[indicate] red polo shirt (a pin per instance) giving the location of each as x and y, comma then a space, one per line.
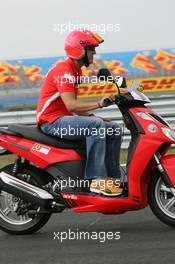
62, 77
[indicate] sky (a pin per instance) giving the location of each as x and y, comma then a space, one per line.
37, 28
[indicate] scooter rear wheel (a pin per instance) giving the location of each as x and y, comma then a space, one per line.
21, 223
161, 200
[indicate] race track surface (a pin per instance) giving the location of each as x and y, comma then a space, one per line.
142, 239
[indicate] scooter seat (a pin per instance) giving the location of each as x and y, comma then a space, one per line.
34, 133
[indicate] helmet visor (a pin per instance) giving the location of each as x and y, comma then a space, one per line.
98, 38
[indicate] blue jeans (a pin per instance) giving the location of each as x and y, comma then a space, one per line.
103, 142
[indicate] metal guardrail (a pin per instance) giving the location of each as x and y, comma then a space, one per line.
164, 105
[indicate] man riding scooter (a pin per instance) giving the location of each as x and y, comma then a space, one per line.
58, 109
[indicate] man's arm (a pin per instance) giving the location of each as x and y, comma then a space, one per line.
84, 113
75, 105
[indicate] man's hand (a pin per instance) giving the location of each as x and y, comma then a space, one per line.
107, 100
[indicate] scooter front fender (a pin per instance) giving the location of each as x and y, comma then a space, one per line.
168, 163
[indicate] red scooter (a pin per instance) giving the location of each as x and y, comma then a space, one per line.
31, 188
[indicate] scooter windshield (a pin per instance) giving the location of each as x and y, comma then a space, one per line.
137, 95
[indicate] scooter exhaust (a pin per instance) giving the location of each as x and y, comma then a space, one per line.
24, 190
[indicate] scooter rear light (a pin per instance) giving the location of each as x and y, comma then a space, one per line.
169, 133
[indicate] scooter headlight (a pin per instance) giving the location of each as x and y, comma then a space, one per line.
169, 133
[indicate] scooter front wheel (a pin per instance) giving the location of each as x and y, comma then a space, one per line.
161, 200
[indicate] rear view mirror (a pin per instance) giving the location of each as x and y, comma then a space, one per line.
120, 81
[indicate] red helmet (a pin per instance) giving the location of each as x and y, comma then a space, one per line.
78, 40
